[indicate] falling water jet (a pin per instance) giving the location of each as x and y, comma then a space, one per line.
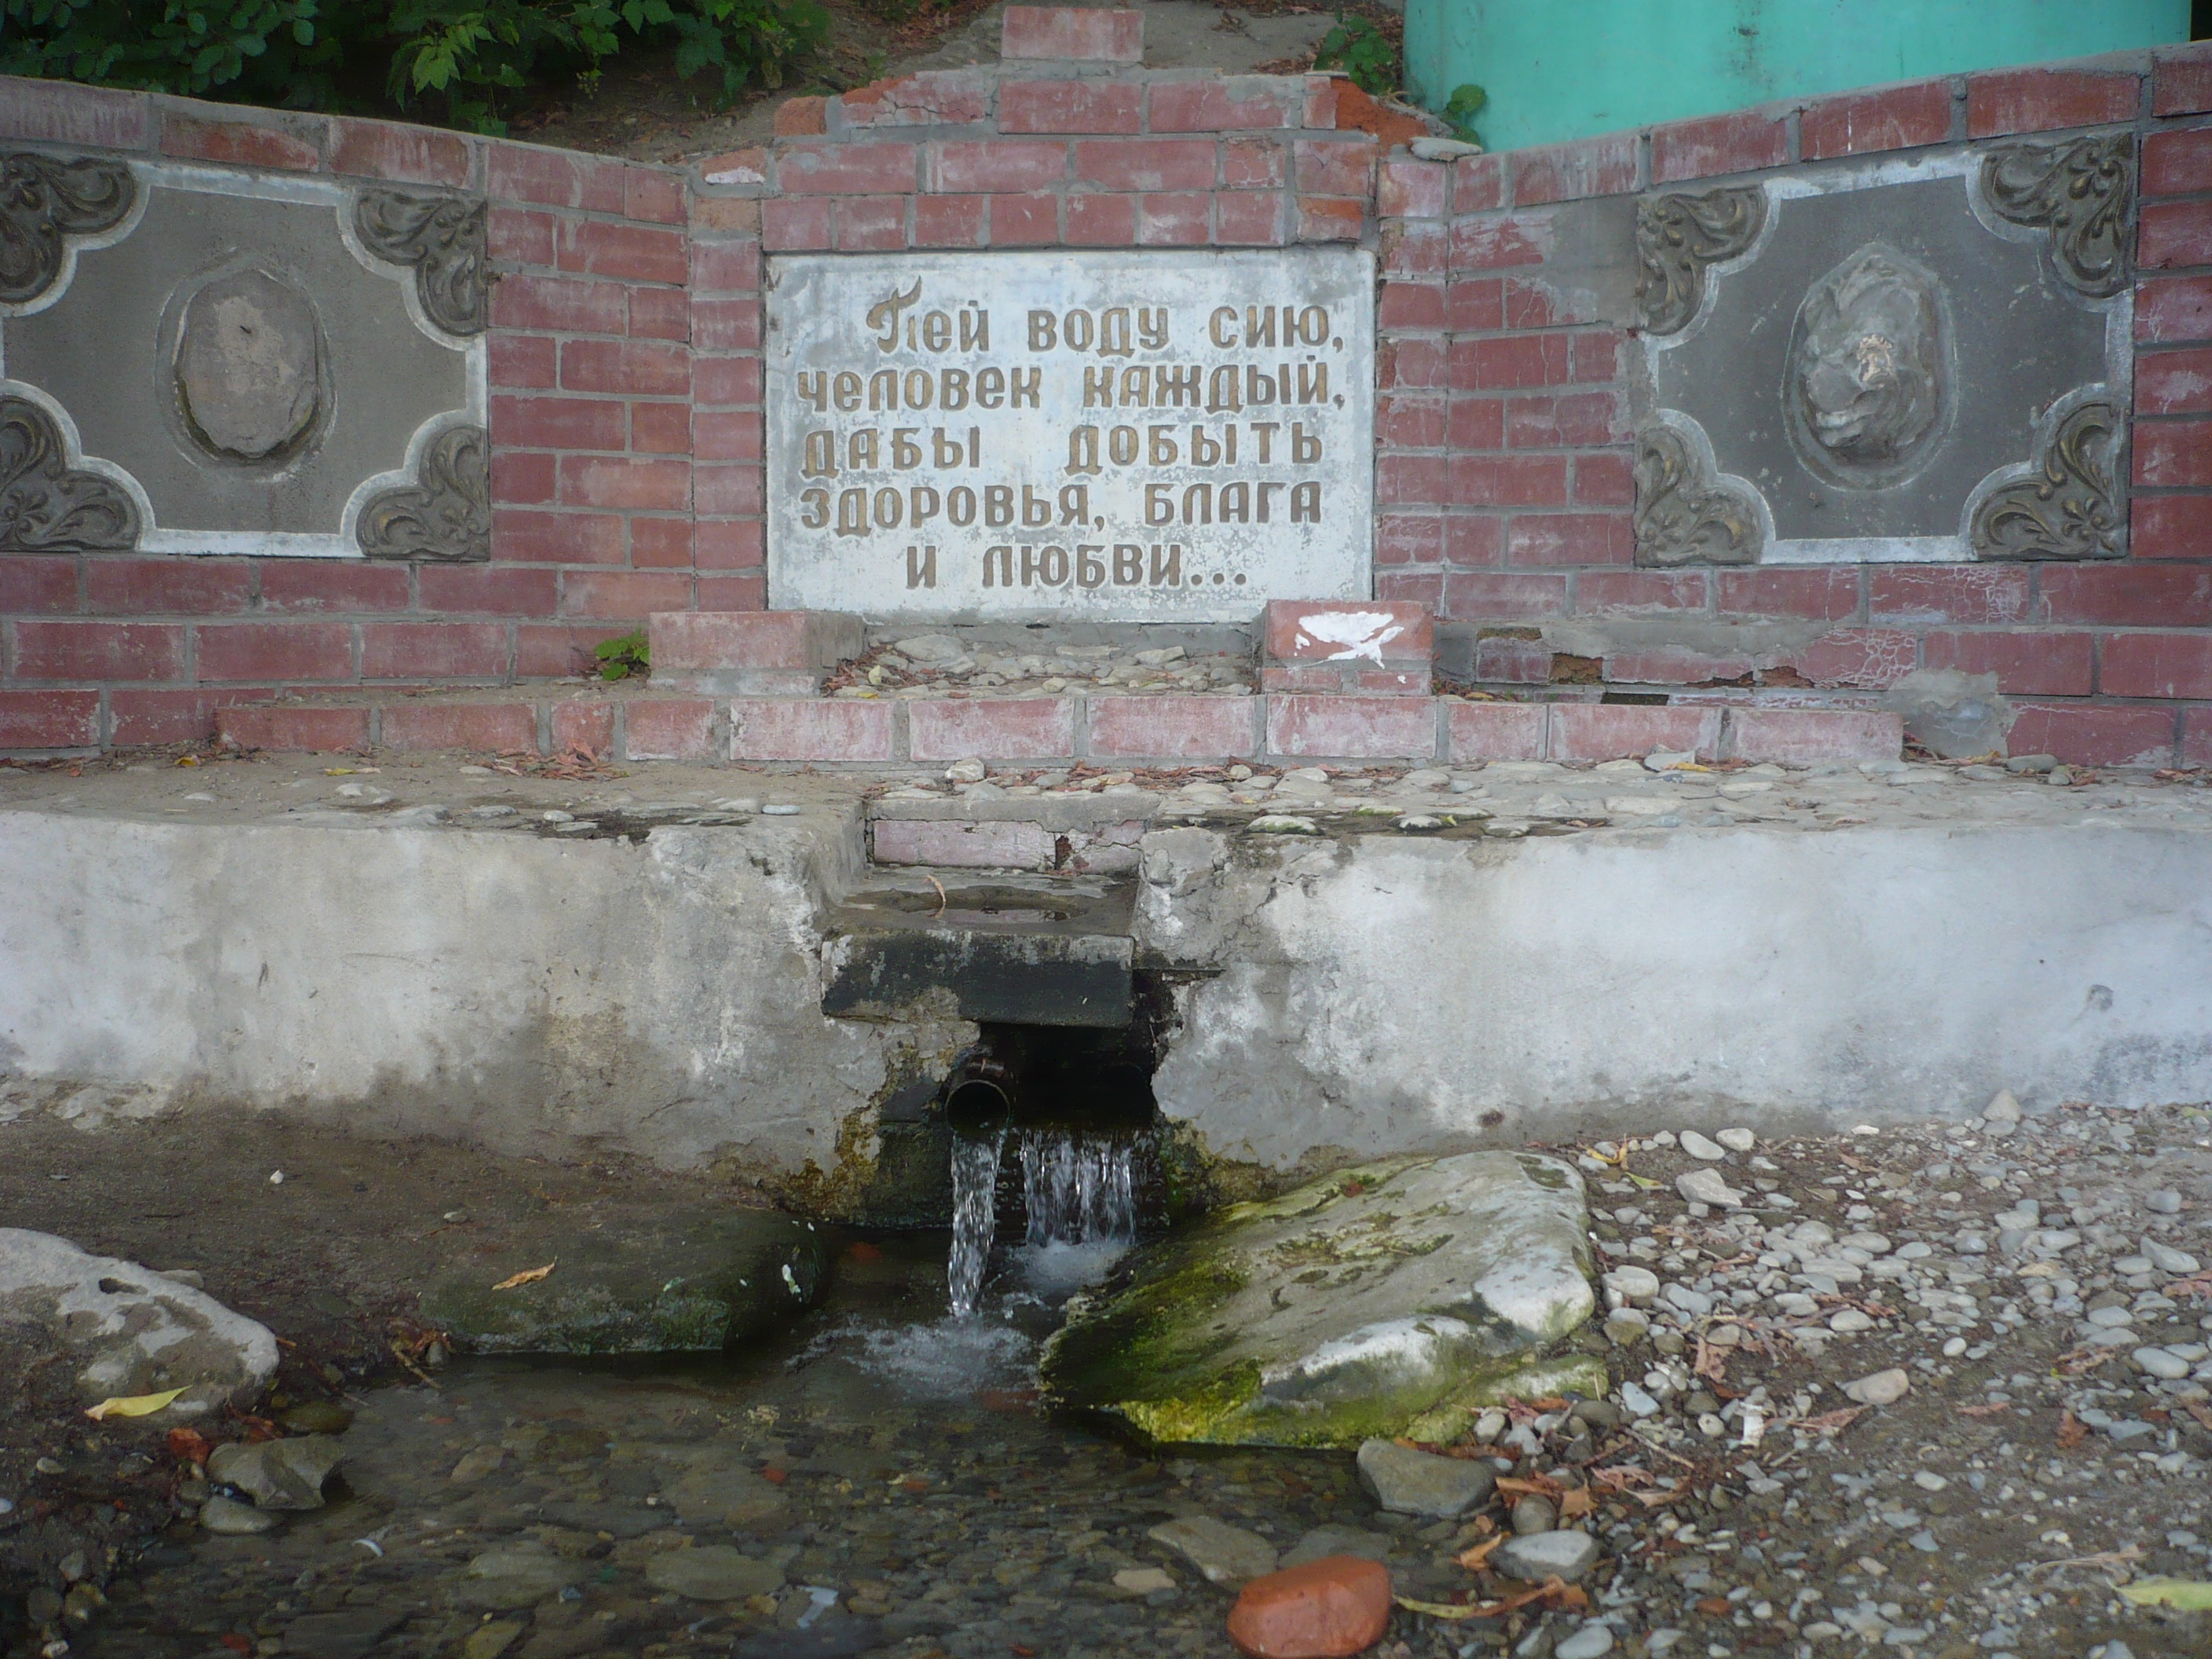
974, 1214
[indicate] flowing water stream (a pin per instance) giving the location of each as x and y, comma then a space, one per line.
1078, 1199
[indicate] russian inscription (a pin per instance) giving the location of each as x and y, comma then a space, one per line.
1170, 436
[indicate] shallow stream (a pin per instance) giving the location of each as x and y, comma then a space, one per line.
877, 1480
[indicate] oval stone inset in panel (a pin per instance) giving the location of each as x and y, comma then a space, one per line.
1867, 394
249, 367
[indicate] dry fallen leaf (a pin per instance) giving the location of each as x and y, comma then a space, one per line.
1474, 1557
527, 1276
2072, 1431
130, 1404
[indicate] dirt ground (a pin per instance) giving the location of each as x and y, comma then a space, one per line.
2032, 1472
643, 110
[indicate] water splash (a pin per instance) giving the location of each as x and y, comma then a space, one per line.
1078, 1187
1079, 1192
974, 1214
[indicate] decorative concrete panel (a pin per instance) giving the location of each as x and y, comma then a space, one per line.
1144, 437
1925, 360
198, 360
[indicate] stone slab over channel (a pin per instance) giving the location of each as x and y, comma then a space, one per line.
1816, 947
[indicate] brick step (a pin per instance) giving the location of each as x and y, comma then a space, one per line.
648, 724
1093, 834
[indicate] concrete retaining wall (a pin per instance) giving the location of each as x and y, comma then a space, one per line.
1380, 994
662, 998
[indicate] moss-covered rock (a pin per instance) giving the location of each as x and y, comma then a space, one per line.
1383, 1298
676, 1280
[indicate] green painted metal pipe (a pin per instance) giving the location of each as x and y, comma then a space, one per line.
1556, 70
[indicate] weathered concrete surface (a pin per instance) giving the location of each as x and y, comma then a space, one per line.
1761, 946
1380, 994
662, 996
677, 1279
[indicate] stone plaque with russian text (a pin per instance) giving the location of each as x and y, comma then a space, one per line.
1133, 437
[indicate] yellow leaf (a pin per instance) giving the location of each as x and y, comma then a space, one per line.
527, 1276
1444, 1609
2190, 1593
130, 1404
337, 771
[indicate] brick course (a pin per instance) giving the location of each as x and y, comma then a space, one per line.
628, 388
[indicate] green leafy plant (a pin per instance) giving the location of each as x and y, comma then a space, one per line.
1461, 108
190, 47
621, 658
1363, 51
465, 61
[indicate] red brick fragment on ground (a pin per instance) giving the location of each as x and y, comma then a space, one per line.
1331, 1608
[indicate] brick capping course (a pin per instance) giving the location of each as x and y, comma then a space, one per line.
627, 384
1293, 730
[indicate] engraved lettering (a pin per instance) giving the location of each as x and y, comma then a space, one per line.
1152, 327
1082, 450
922, 572
1305, 503
818, 458
853, 512
1027, 383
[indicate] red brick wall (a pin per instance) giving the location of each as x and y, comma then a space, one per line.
627, 378
591, 378
1505, 480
